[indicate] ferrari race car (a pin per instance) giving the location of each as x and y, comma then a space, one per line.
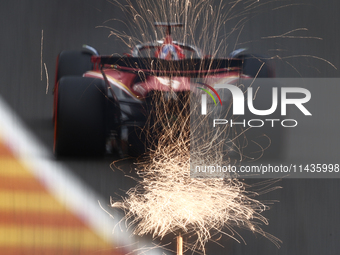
100, 102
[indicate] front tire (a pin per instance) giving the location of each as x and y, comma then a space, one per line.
80, 119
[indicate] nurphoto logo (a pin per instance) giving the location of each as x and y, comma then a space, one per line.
238, 100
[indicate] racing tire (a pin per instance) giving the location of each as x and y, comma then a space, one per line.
81, 118
73, 62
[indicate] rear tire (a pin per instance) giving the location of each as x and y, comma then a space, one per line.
80, 119
73, 62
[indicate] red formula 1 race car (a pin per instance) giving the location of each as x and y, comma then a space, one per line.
100, 100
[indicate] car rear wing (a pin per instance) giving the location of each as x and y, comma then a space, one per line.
162, 67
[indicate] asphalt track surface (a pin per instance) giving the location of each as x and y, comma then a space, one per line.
307, 217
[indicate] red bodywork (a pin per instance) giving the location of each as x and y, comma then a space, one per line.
127, 78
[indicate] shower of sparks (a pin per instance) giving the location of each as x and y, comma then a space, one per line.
204, 21
175, 202
166, 199
213, 26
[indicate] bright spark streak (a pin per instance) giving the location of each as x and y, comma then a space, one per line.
41, 53
47, 82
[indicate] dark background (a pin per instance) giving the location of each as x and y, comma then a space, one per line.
306, 218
